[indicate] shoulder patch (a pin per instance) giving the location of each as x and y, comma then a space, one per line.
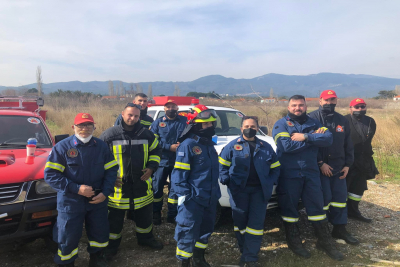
289, 123
196, 150
238, 147
340, 129
162, 124
72, 153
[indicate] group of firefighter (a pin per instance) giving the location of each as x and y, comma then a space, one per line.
322, 158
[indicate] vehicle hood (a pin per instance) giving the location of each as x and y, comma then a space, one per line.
15, 169
224, 140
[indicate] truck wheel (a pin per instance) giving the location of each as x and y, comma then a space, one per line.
50, 244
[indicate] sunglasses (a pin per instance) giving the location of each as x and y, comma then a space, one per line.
358, 107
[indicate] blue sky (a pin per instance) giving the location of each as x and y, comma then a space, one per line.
137, 41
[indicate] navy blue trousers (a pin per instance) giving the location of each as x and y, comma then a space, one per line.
335, 198
309, 189
68, 231
195, 224
248, 212
160, 178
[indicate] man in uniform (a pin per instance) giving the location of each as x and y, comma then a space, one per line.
195, 181
334, 162
83, 171
298, 138
137, 152
168, 129
141, 100
362, 129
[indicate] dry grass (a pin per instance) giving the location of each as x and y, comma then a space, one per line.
61, 113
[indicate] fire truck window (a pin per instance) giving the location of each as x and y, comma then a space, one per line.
19, 129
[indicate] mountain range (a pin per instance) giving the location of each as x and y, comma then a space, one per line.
345, 85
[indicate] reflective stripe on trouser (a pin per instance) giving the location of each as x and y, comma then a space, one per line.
248, 212
335, 196
195, 224
143, 220
68, 230
160, 179
290, 190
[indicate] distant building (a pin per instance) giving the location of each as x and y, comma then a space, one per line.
396, 98
283, 101
268, 100
312, 99
113, 97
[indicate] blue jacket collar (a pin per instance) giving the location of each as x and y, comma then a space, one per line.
242, 140
76, 142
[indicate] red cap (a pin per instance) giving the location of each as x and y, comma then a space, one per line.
328, 94
170, 101
83, 117
357, 101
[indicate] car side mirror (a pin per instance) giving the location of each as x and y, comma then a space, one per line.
264, 129
40, 102
60, 137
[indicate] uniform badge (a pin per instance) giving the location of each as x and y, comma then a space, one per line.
162, 124
238, 147
330, 93
289, 123
339, 128
358, 100
72, 153
196, 150
85, 116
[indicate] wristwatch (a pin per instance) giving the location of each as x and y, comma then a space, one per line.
305, 136
320, 164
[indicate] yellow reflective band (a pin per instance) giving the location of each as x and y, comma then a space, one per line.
274, 165
224, 162
117, 151
289, 219
254, 231
115, 236
150, 187
154, 144
172, 201
281, 134
146, 154
183, 253
142, 199
354, 197
118, 206
110, 164
69, 256
55, 166
236, 229
159, 199
154, 158
145, 122
324, 128
205, 120
98, 245
142, 204
144, 231
119, 200
157, 135
338, 205
181, 165
317, 217
201, 245
197, 110
327, 206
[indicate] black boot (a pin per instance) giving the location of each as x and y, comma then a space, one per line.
157, 217
171, 220
293, 240
98, 259
72, 264
340, 232
354, 213
151, 242
198, 259
184, 263
325, 241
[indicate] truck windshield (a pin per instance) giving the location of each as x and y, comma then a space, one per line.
16, 130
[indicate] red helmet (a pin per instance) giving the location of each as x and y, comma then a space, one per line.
201, 113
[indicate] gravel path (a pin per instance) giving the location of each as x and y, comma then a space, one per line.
379, 241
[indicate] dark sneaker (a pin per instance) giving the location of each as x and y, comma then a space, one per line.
340, 232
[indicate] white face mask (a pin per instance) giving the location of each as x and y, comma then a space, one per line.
84, 139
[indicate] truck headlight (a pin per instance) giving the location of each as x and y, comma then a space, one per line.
43, 188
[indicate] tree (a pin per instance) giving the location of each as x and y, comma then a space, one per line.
110, 88
271, 93
177, 91
9, 92
139, 88
39, 80
132, 91
121, 89
32, 91
385, 94
150, 92
397, 89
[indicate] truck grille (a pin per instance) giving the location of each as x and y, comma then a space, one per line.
9, 192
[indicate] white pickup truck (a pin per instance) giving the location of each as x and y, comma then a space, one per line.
228, 128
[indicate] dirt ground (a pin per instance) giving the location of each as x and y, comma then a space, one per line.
380, 241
